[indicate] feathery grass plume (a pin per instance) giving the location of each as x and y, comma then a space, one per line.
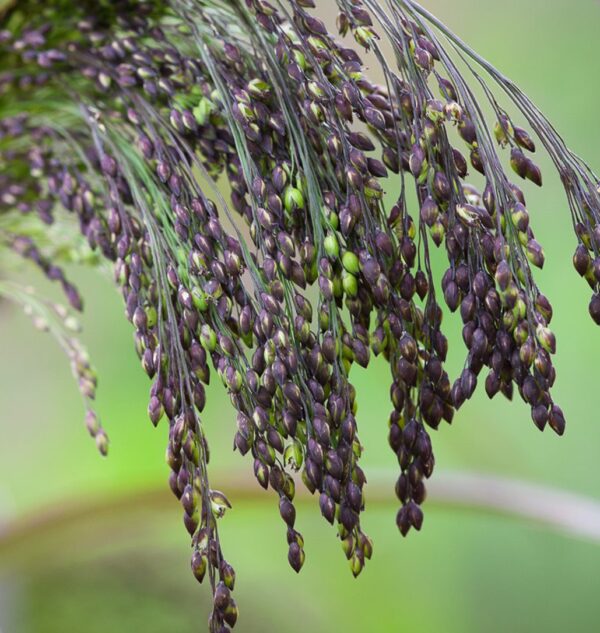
122, 116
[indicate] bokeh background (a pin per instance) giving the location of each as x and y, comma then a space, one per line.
93, 545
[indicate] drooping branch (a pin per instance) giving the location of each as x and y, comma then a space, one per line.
126, 118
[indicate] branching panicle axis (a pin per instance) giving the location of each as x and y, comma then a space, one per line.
127, 121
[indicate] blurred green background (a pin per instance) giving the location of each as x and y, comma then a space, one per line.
96, 545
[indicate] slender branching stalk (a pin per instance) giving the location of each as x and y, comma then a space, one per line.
126, 119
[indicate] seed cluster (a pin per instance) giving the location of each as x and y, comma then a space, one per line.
131, 115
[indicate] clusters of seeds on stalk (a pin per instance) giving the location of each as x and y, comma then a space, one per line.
306, 268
